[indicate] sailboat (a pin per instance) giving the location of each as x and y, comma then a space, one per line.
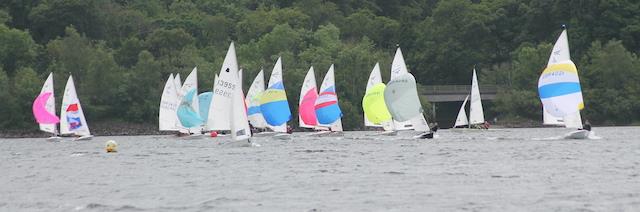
402, 100
229, 110
187, 114
273, 102
44, 110
167, 115
191, 84
252, 100
72, 120
327, 109
398, 68
560, 91
476, 113
375, 109
461, 119
306, 104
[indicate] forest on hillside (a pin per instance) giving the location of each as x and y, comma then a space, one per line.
121, 52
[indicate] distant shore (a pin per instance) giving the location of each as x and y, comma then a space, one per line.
97, 129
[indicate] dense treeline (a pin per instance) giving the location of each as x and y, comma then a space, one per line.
121, 51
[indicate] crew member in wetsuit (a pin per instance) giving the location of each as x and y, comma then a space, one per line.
430, 134
435, 127
289, 129
586, 126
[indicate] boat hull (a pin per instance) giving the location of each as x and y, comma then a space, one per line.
578, 134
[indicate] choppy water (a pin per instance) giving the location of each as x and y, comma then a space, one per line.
496, 170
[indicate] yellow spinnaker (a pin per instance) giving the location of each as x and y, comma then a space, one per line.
374, 106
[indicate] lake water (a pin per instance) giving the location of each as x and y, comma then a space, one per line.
462, 170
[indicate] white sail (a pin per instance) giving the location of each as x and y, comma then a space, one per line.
476, 113
168, 106
403, 102
223, 91
72, 120
253, 101
191, 82
462, 120
50, 105
178, 86
276, 76
398, 68
239, 123
559, 87
374, 78
308, 85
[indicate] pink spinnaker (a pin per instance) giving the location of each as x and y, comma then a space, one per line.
40, 110
307, 107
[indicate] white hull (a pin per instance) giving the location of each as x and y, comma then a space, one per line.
385, 133
265, 134
578, 134
193, 137
84, 138
54, 139
327, 134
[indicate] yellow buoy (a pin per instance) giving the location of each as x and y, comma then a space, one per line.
111, 146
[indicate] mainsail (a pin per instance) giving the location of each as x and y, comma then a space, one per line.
253, 101
374, 78
167, 115
476, 113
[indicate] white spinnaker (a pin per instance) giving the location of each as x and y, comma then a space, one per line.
561, 55
476, 113
276, 76
399, 67
308, 83
70, 98
462, 120
374, 78
253, 100
50, 105
223, 91
167, 114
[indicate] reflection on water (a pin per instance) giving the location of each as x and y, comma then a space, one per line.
478, 170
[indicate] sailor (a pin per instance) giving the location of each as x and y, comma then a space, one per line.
586, 126
435, 127
429, 135
289, 129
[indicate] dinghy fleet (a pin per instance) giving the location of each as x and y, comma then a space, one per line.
264, 111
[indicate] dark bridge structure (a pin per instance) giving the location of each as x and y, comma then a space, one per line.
455, 93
